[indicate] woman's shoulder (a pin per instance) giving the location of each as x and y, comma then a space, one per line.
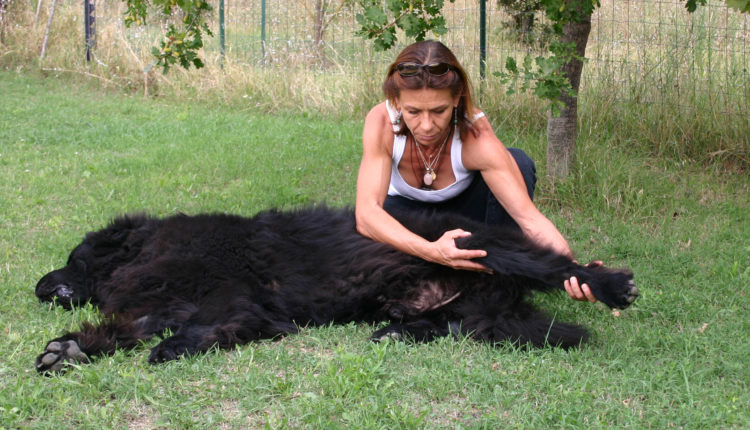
478, 128
483, 147
379, 119
379, 113
378, 130
476, 115
482, 130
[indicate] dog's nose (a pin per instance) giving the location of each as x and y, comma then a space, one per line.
49, 291
64, 291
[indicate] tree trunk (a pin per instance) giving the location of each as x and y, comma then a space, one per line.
3, 5
319, 29
46, 32
524, 22
562, 130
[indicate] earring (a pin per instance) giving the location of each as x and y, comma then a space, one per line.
455, 116
398, 119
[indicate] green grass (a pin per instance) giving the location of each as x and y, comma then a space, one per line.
72, 158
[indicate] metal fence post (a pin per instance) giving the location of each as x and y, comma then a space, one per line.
222, 36
263, 30
89, 23
482, 38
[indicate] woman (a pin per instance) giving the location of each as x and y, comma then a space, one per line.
428, 148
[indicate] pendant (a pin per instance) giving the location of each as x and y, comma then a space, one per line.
429, 177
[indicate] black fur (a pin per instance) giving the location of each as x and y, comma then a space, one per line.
223, 280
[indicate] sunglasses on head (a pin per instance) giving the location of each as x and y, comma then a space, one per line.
411, 69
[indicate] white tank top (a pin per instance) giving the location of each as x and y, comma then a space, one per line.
399, 187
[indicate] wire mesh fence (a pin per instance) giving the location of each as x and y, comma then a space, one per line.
645, 51
655, 52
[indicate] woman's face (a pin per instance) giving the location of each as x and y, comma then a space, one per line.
428, 113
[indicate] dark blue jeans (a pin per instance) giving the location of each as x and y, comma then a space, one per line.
476, 202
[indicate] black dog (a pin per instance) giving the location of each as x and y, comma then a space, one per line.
222, 280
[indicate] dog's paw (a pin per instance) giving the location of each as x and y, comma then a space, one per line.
170, 349
621, 296
415, 331
58, 355
163, 353
631, 293
615, 288
392, 332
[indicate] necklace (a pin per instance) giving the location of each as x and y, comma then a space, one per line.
430, 174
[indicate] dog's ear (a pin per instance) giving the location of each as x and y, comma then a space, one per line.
117, 232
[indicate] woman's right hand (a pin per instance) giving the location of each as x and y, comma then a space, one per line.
448, 254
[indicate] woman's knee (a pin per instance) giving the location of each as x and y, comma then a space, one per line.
527, 167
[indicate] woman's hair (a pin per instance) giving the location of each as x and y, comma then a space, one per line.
430, 52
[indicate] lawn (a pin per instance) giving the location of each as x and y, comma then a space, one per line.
72, 157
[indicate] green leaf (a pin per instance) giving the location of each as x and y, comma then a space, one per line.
691, 5
414, 17
395, 6
376, 15
510, 65
741, 5
547, 66
438, 25
389, 37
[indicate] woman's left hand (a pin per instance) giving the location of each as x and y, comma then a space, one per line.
581, 292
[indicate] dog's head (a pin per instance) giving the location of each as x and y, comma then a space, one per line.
68, 285
93, 261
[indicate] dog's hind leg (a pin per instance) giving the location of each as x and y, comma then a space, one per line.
192, 339
225, 318
535, 329
91, 341
520, 323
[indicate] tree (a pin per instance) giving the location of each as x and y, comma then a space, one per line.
523, 13
182, 42
322, 13
3, 4
562, 126
415, 17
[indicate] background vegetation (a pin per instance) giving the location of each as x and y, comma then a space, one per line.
72, 157
661, 186
657, 78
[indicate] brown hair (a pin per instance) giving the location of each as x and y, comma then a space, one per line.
428, 52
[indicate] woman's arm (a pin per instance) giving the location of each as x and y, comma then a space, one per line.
499, 170
489, 156
372, 187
